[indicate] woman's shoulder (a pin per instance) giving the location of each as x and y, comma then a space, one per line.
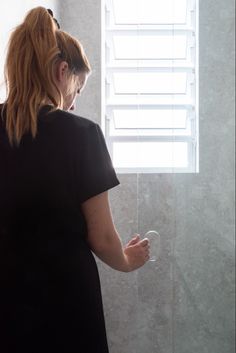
77, 121
65, 119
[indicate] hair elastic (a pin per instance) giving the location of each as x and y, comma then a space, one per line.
51, 13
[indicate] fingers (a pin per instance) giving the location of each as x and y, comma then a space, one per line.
144, 242
142, 247
134, 240
137, 252
145, 246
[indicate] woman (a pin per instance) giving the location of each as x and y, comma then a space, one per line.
54, 180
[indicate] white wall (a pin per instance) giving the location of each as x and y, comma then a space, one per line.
12, 13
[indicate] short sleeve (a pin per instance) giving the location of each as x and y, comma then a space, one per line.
97, 173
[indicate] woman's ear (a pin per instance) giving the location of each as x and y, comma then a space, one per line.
62, 70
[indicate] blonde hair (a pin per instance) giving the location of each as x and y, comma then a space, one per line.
35, 46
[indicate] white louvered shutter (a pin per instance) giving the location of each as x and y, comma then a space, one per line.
151, 85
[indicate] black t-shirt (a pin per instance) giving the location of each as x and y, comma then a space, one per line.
49, 284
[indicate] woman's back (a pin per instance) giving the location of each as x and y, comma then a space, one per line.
55, 171
49, 278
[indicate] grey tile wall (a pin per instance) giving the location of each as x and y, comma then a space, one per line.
184, 302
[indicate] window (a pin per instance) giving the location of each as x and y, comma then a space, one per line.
151, 85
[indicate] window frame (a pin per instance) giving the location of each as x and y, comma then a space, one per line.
191, 108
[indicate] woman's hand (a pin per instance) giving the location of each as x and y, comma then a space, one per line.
136, 252
104, 240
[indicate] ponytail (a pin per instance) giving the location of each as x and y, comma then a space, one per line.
34, 48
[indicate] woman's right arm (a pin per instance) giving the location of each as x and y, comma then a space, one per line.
105, 241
